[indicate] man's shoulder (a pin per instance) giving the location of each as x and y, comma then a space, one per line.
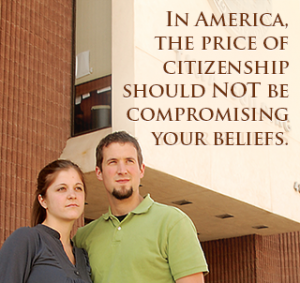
86, 230
168, 211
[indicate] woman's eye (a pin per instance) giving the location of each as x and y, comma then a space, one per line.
79, 188
61, 189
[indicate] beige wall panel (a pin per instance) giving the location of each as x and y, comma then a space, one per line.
93, 33
247, 173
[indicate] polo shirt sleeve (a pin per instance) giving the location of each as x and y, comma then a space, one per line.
17, 255
185, 253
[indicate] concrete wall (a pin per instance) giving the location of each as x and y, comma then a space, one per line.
263, 176
93, 34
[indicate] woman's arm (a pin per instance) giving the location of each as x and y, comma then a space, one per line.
17, 255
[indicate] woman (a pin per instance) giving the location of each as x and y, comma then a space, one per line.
45, 253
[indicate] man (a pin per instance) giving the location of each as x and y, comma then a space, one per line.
138, 240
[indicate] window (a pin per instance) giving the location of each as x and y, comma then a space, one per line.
92, 106
92, 66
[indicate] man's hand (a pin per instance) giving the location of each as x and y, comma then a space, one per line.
194, 278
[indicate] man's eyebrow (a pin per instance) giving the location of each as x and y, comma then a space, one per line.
131, 158
110, 159
115, 158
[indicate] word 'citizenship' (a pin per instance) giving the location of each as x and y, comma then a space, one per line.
225, 67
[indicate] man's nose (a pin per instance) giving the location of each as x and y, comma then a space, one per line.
122, 168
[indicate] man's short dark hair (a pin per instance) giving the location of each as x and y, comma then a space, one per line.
117, 137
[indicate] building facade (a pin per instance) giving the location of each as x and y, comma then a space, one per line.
58, 55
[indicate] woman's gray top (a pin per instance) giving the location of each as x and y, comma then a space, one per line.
36, 255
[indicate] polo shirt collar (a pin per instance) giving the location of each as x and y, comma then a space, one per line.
143, 207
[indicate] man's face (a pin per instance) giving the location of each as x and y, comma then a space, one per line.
121, 173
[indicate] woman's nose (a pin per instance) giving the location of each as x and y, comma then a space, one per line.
71, 194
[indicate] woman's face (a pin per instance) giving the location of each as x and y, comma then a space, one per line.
65, 197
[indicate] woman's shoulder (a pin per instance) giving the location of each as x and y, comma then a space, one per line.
24, 236
23, 233
23, 241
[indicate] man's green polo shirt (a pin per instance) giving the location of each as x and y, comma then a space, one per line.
154, 243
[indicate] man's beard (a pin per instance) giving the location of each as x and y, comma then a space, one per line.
122, 194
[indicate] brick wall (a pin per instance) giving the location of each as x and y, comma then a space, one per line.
290, 257
231, 260
35, 99
268, 259
254, 259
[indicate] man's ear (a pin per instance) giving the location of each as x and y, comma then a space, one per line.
98, 173
143, 168
42, 201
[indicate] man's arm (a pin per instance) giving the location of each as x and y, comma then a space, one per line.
194, 278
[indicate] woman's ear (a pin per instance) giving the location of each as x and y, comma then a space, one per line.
42, 201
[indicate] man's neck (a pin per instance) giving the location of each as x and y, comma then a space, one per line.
124, 206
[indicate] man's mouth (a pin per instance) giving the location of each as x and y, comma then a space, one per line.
122, 181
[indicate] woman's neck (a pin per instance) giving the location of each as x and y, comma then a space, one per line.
64, 230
